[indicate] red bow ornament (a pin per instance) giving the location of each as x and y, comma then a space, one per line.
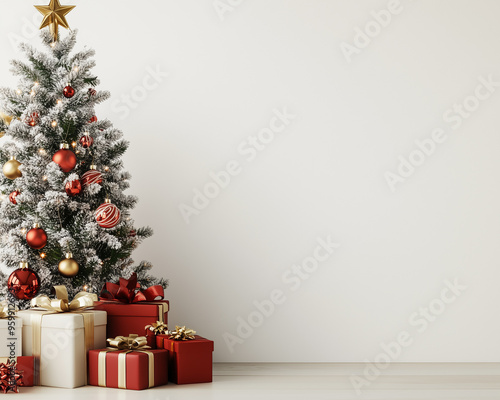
128, 291
10, 377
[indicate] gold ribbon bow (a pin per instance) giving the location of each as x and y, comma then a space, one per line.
182, 333
159, 328
4, 309
131, 342
61, 303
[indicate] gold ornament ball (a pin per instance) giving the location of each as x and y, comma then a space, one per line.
7, 119
11, 169
68, 267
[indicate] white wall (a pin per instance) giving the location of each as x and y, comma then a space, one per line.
322, 175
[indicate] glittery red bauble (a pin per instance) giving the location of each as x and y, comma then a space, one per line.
86, 141
132, 233
93, 119
73, 188
107, 215
23, 283
36, 238
65, 158
90, 177
92, 92
13, 195
33, 119
68, 92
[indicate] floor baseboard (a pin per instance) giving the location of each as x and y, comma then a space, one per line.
343, 369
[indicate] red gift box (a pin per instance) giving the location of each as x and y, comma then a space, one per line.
126, 369
129, 308
151, 338
26, 365
189, 361
124, 319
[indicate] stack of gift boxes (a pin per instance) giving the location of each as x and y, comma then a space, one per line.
120, 340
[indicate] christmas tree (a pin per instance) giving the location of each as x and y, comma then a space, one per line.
64, 210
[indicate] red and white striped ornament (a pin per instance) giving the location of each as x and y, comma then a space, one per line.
107, 215
86, 141
92, 176
13, 195
33, 119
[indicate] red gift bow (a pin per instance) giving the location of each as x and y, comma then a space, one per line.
127, 291
10, 377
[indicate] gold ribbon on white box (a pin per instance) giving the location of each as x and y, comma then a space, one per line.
4, 309
61, 304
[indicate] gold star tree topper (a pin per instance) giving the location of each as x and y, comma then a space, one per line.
54, 15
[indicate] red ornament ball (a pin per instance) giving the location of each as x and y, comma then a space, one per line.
68, 92
23, 283
13, 195
33, 119
90, 177
86, 141
73, 188
107, 215
132, 233
36, 238
65, 158
93, 119
92, 92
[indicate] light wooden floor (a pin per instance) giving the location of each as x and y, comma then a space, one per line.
311, 381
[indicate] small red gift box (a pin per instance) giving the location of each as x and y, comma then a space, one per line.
189, 361
128, 369
132, 318
26, 365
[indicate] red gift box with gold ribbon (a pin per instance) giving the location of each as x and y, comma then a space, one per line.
131, 309
128, 365
189, 361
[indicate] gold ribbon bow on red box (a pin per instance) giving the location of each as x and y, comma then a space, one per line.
130, 344
158, 328
182, 333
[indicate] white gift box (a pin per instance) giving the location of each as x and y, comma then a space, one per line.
63, 360
11, 340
